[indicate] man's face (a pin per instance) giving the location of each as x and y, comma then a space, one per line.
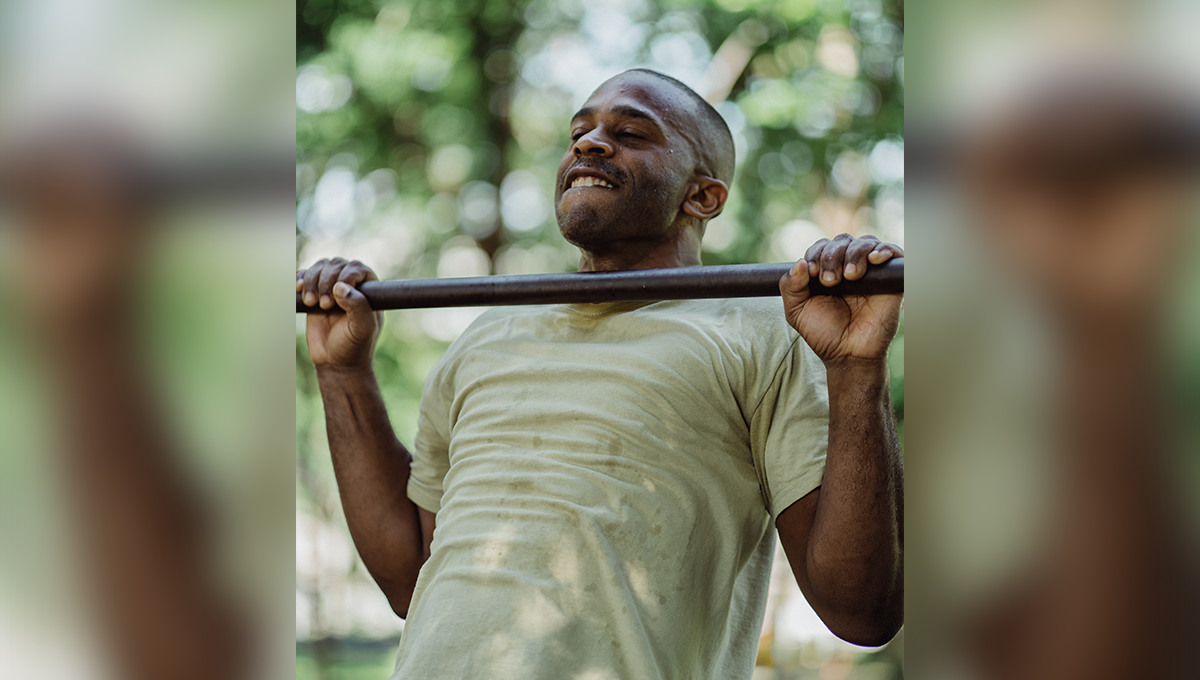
624, 176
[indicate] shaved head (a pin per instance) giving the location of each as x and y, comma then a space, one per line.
648, 166
714, 152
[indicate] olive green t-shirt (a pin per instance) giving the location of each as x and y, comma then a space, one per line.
605, 478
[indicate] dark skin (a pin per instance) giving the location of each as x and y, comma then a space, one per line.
639, 135
634, 135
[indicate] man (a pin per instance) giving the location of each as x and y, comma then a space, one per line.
606, 480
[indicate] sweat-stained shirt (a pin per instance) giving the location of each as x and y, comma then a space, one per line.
605, 478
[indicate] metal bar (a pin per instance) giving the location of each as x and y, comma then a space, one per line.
680, 283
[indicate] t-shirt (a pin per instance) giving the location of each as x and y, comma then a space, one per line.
605, 478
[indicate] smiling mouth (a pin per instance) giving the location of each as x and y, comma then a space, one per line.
586, 181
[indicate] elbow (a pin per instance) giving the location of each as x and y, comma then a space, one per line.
868, 632
399, 594
870, 626
400, 605
398, 585
862, 608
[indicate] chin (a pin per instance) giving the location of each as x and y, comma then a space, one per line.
584, 227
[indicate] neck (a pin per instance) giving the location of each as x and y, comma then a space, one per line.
681, 251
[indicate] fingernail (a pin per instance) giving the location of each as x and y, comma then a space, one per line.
340, 289
851, 268
812, 268
798, 267
326, 301
310, 298
828, 277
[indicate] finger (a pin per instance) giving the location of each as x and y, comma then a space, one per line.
358, 311
794, 284
813, 256
856, 257
355, 273
833, 260
329, 276
299, 280
310, 282
884, 252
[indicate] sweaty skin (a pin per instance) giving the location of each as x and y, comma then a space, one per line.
646, 169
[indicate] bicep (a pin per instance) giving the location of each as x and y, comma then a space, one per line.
428, 523
795, 526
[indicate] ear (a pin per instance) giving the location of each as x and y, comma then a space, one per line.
705, 197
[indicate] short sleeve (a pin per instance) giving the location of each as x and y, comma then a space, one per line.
431, 451
789, 429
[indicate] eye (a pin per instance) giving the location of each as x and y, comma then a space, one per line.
577, 134
631, 134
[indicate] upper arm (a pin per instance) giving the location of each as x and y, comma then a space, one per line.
795, 525
789, 429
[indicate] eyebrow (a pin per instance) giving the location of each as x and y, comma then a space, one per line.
621, 110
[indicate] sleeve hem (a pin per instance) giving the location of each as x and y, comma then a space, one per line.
425, 496
783, 499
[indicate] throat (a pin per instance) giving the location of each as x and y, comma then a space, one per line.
629, 255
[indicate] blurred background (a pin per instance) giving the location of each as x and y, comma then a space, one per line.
146, 439
428, 136
1053, 312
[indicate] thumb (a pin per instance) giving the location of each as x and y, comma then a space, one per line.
349, 298
794, 284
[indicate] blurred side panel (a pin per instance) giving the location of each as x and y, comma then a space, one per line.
146, 420
1053, 313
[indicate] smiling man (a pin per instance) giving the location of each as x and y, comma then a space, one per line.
671, 143
595, 489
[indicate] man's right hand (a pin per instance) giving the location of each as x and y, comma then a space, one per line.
339, 340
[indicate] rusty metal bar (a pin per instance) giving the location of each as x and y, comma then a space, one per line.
680, 283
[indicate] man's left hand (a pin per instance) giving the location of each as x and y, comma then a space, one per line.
848, 328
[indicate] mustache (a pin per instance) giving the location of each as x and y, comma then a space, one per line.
598, 165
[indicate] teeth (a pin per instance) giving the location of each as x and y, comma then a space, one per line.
590, 182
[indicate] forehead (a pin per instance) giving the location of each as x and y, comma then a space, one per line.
636, 92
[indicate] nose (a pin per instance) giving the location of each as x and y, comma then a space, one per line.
592, 144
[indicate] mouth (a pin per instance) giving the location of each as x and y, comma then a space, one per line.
585, 177
589, 182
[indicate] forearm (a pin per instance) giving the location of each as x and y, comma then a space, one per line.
853, 558
372, 468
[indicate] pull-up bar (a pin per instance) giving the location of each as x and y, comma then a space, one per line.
679, 283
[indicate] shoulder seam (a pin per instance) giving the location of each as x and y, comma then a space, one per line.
775, 373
